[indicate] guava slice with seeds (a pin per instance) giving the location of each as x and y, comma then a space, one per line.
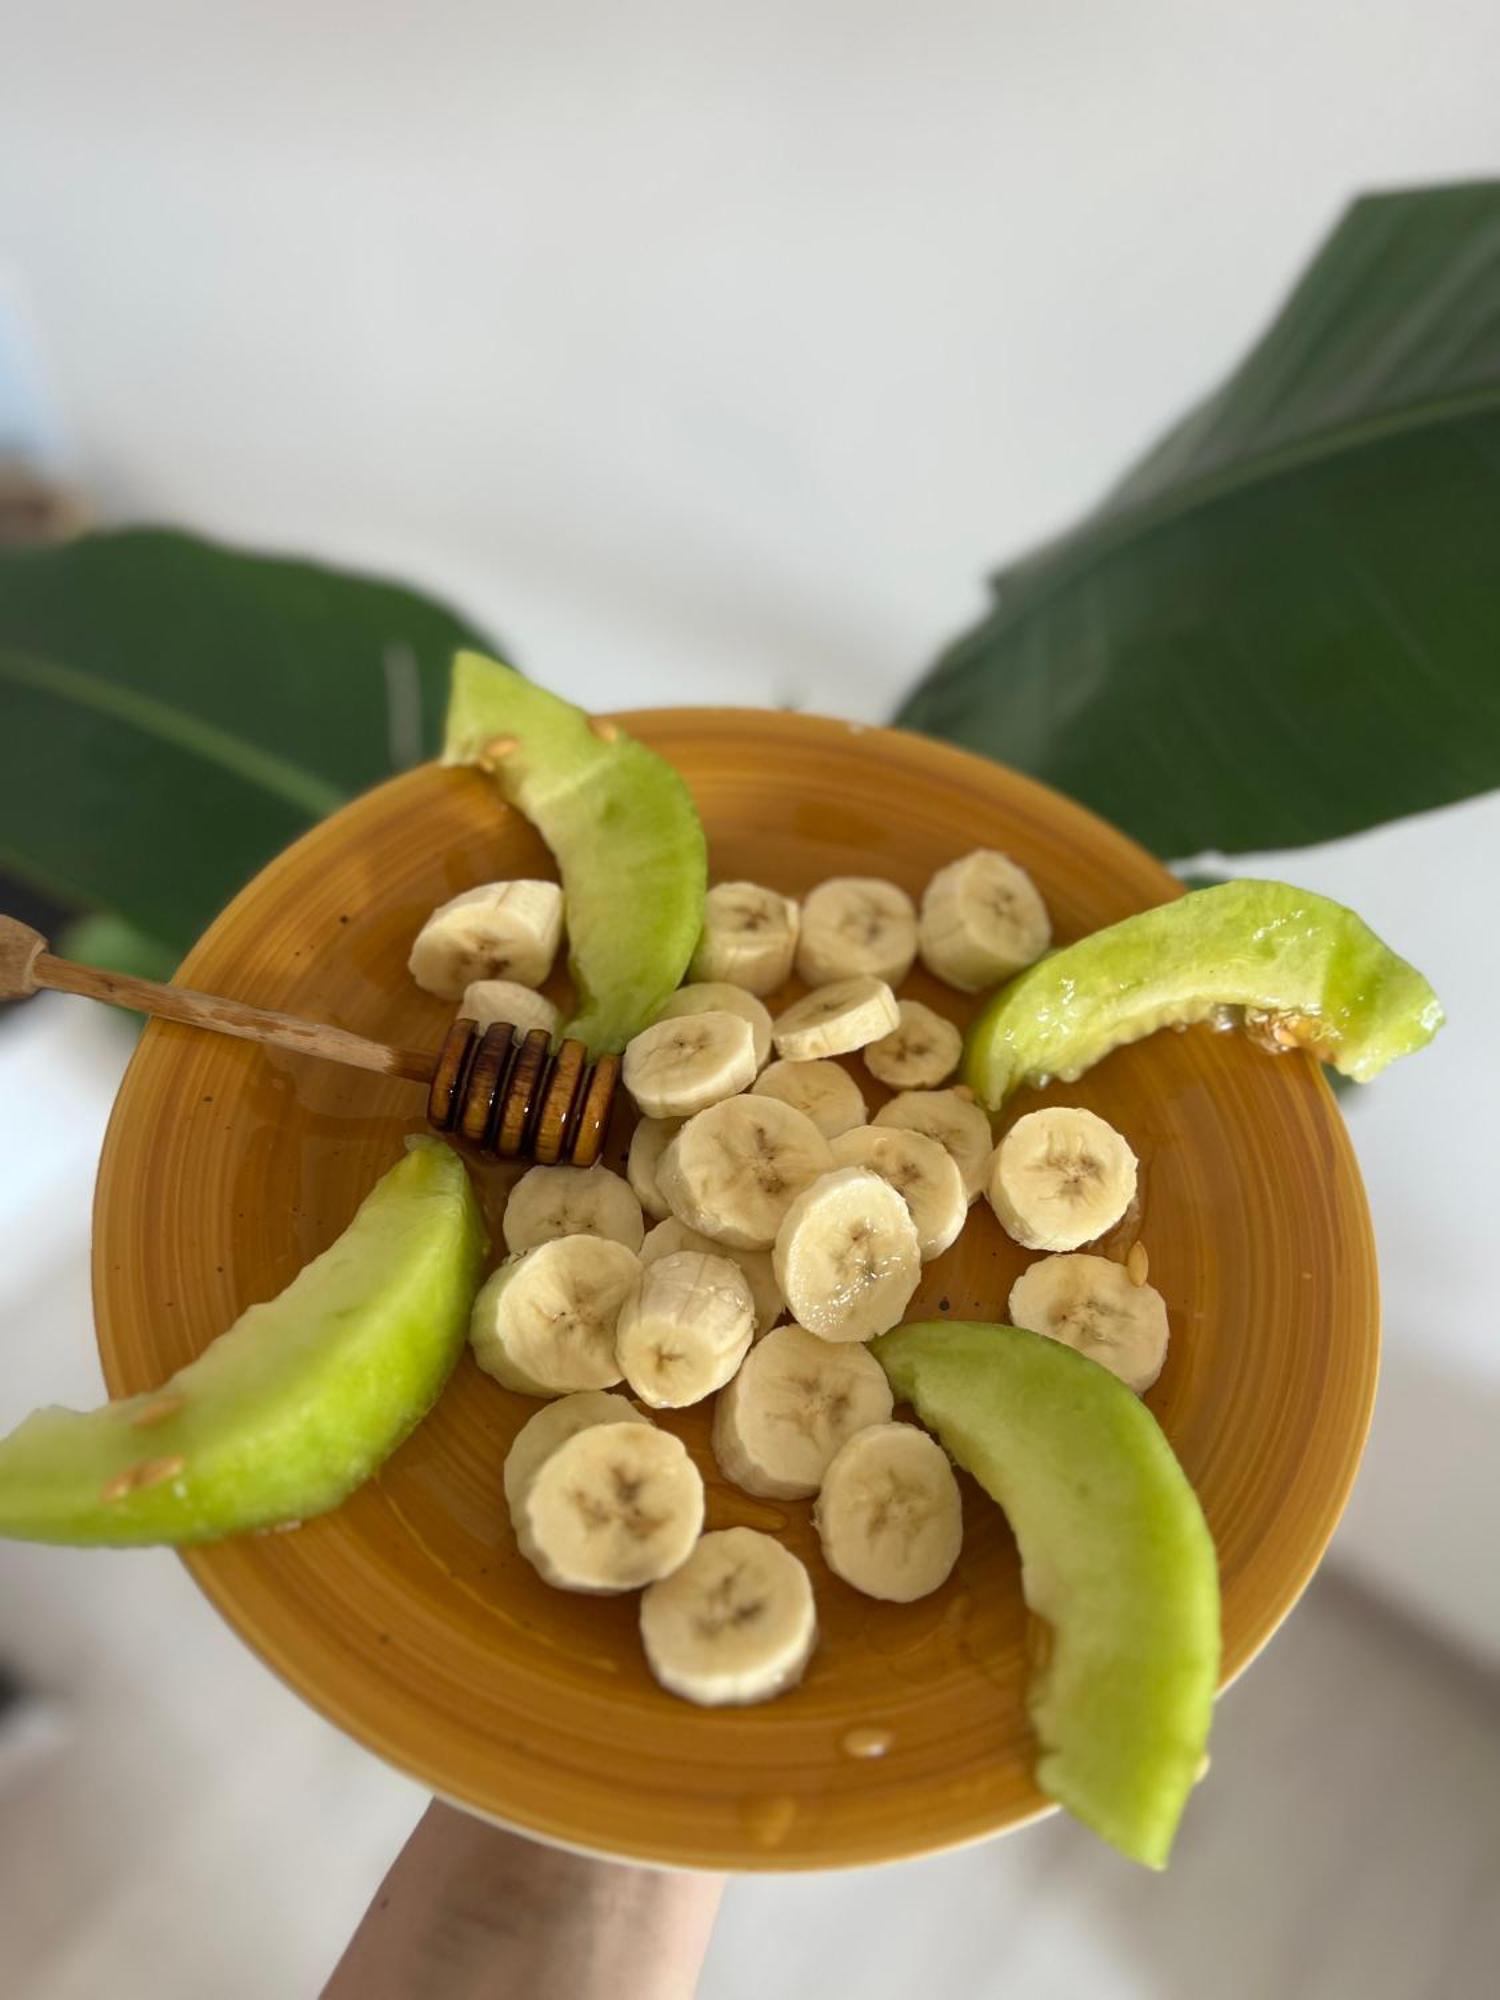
284, 1415
1296, 969
622, 828
1115, 1555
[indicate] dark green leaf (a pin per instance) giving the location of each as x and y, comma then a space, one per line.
175, 712
1284, 624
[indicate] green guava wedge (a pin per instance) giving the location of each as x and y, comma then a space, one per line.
1295, 969
1115, 1555
622, 828
291, 1409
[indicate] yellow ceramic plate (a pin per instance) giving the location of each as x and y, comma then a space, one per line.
408, 1617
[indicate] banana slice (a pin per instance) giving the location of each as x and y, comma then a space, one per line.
491, 1000
846, 1256
504, 930
544, 1323
720, 996
889, 1514
683, 1065
825, 1091
734, 1170
835, 1020
554, 1424
685, 1328
615, 1506
668, 1237
795, 1401
1061, 1177
921, 1171
920, 1052
982, 920
749, 937
857, 924
956, 1122
548, 1202
1094, 1305
737, 1623
648, 1142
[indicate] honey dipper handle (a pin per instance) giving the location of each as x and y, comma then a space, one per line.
26, 964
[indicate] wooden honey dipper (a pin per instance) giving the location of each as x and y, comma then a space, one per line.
512, 1098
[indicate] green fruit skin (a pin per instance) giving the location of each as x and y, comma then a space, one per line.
292, 1408
1115, 1555
622, 828
1259, 945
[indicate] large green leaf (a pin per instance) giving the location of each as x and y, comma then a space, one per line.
175, 712
1284, 623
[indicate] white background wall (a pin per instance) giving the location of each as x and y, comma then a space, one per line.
716, 351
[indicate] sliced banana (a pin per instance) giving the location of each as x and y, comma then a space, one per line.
615, 1506
889, 1515
668, 1237
749, 937
795, 1401
835, 1020
721, 996
648, 1142
922, 1172
554, 1424
921, 1051
982, 919
1061, 1177
956, 1122
857, 924
544, 1323
503, 930
1093, 1304
824, 1090
734, 1170
685, 1328
737, 1623
547, 1202
846, 1256
683, 1065
490, 1000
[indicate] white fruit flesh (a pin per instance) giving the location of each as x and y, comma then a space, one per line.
889, 1515
924, 1175
685, 1328
846, 1256
501, 930
1061, 1177
722, 996
857, 924
490, 1000
734, 1170
670, 1236
836, 1020
615, 1506
1091, 1304
548, 1202
737, 1623
982, 920
680, 1066
920, 1052
749, 937
794, 1403
553, 1425
544, 1323
648, 1142
824, 1090
955, 1121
